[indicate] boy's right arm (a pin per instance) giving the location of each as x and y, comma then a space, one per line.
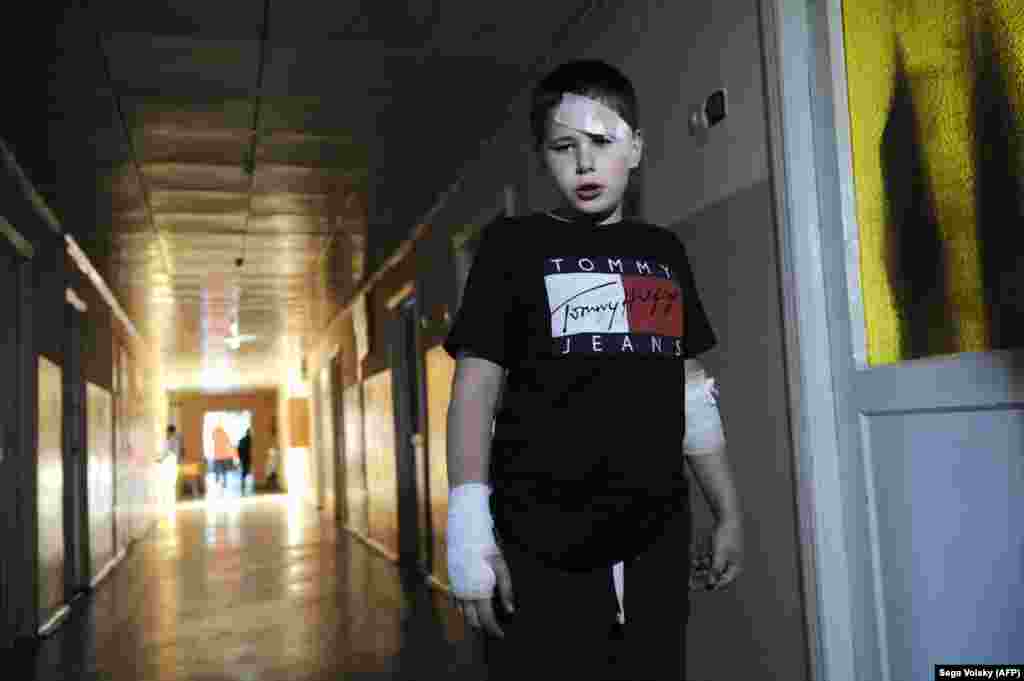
475, 390
475, 564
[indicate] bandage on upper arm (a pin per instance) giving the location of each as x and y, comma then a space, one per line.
704, 434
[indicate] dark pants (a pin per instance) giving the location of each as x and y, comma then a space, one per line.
220, 471
563, 620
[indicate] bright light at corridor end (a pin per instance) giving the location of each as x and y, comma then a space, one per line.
218, 377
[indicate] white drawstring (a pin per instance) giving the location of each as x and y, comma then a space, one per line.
618, 576
711, 392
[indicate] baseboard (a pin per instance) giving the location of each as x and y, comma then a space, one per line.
51, 625
108, 568
429, 578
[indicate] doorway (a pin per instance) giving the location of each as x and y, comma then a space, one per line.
912, 461
414, 527
221, 432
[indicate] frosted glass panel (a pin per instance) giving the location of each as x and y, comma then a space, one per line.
355, 459
100, 414
50, 488
937, 134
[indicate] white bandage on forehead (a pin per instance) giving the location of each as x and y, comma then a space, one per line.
590, 116
704, 433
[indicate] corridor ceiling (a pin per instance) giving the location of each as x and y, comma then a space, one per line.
198, 131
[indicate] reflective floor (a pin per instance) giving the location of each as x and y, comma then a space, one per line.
230, 485
258, 587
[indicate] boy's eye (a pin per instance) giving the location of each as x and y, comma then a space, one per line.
599, 140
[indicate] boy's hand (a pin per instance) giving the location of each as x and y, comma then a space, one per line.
727, 560
479, 612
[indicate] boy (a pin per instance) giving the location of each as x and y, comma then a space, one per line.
588, 324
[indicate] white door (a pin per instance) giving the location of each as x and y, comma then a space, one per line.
912, 472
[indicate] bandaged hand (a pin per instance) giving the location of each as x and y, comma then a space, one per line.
475, 564
471, 542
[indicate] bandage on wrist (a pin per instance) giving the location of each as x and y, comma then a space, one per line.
704, 433
471, 541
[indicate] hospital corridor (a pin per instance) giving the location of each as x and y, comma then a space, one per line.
236, 234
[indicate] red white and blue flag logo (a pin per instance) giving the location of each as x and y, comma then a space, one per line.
603, 304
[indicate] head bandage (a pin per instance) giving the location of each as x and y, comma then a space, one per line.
590, 116
703, 422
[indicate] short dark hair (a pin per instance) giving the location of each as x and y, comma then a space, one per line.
586, 77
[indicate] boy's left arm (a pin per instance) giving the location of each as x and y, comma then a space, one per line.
714, 476
715, 479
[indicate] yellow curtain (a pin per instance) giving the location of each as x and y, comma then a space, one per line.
920, 94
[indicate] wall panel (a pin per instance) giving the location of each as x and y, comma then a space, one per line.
100, 425
731, 236
381, 468
131, 477
355, 460
440, 370
50, 480
947, 500
299, 422
327, 453
142, 485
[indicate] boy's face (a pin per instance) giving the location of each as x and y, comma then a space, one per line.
591, 170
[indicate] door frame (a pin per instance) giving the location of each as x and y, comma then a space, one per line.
319, 453
327, 443
425, 520
404, 307
77, 571
19, 621
798, 41
338, 408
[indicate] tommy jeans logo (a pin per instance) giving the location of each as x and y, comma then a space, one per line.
613, 304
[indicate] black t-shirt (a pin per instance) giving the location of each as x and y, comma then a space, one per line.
593, 324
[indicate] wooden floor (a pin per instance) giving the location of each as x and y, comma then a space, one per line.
258, 587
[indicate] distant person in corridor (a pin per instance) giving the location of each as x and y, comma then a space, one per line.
174, 451
588, 325
223, 454
245, 455
172, 446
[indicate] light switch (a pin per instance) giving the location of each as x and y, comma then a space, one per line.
716, 107
711, 112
